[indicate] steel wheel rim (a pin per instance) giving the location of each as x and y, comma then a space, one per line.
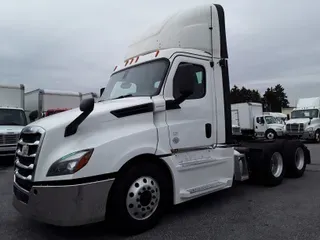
270, 135
276, 164
299, 158
143, 198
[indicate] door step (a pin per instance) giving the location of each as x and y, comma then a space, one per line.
206, 188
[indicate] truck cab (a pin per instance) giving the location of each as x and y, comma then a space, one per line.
268, 126
305, 120
12, 121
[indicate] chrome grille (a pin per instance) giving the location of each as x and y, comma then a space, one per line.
6, 139
28, 148
295, 128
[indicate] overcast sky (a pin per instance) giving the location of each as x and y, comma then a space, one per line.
75, 44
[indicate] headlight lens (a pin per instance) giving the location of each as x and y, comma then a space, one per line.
309, 129
279, 129
70, 163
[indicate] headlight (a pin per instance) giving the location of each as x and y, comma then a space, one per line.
70, 163
309, 129
279, 129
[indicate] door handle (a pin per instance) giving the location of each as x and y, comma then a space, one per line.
208, 129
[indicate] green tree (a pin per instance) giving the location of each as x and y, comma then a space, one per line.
244, 95
274, 99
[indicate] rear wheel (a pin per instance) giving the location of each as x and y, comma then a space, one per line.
272, 167
295, 158
139, 198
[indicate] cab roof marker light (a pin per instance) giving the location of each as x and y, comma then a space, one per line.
137, 59
115, 68
131, 61
157, 53
126, 63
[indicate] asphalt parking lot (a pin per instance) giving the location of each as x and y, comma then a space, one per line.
289, 211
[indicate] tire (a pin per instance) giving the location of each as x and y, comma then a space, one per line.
270, 134
141, 195
317, 136
295, 158
273, 166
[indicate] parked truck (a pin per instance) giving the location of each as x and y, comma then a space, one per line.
41, 101
12, 118
305, 120
254, 123
129, 157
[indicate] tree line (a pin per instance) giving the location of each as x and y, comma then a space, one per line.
273, 99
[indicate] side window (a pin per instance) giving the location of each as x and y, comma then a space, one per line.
199, 83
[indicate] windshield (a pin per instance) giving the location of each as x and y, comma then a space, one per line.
307, 113
12, 117
270, 120
142, 80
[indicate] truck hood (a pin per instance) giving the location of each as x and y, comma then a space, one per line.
10, 129
100, 113
299, 120
276, 125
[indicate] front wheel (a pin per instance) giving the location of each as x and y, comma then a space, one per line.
139, 198
270, 134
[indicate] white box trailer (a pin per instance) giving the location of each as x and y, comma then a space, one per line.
12, 96
43, 100
243, 114
12, 117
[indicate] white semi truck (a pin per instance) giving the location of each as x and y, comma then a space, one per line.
12, 118
253, 122
44, 102
305, 120
167, 141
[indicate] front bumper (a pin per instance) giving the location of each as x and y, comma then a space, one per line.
7, 150
302, 135
68, 205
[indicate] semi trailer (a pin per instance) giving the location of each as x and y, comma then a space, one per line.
12, 118
168, 140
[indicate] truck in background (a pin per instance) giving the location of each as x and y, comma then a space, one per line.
12, 117
305, 120
254, 123
39, 101
127, 158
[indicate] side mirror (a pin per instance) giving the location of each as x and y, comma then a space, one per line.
33, 115
101, 91
87, 105
186, 78
288, 116
262, 120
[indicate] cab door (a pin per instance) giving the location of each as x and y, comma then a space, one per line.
200, 165
260, 126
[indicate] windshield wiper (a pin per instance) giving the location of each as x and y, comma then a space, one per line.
124, 96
